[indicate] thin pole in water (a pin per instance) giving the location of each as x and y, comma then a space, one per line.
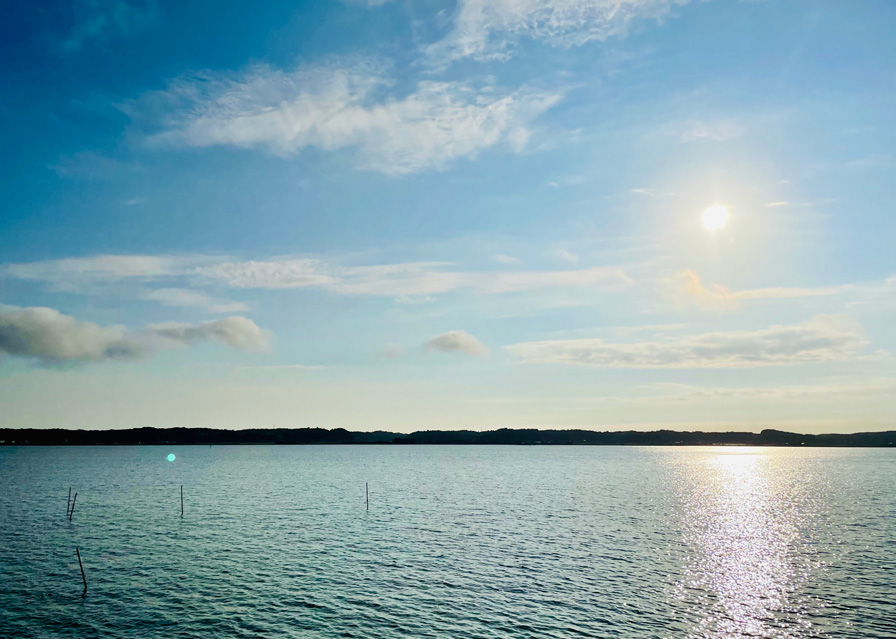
181, 500
82, 567
72, 511
68, 504
367, 492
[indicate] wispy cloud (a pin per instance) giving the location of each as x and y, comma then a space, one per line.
566, 256
334, 108
504, 282
407, 281
687, 286
457, 342
822, 339
392, 351
292, 273
48, 336
874, 386
880, 294
279, 367
488, 29
186, 298
874, 161
649, 328
704, 130
72, 274
97, 20
89, 165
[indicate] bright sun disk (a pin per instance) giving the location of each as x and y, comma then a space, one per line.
715, 217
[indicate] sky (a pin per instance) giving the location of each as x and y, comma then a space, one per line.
410, 215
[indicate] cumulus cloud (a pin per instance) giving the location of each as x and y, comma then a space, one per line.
49, 336
46, 335
457, 342
486, 28
822, 339
237, 332
688, 287
332, 108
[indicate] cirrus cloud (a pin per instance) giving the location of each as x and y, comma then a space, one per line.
488, 28
340, 107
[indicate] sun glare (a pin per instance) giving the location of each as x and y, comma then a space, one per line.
715, 217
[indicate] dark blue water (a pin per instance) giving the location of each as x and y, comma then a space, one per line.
477, 541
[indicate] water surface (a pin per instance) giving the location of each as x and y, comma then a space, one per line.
476, 541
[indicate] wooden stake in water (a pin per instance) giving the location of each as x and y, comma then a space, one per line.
181, 501
367, 492
82, 567
72, 511
68, 504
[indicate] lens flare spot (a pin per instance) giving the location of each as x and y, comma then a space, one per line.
715, 217
171, 457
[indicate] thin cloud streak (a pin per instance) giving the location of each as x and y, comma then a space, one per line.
405, 281
822, 339
68, 274
853, 387
185, 298
689, 287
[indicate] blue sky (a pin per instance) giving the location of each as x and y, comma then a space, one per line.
411, 215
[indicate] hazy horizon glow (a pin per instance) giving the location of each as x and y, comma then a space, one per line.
660, 214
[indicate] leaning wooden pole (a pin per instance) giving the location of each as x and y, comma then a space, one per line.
181, 500
82, 567
68, 504
72, 511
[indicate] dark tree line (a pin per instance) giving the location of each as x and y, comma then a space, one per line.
519, 436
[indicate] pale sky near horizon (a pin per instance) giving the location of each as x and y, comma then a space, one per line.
413, 215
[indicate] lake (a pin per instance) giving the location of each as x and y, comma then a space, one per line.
458, 541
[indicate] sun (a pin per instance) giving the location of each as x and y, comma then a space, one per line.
715, 217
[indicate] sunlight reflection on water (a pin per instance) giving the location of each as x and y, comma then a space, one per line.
740, 526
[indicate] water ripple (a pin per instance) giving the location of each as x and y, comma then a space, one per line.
491, 542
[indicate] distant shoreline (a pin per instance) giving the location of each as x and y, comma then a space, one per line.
503, 436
